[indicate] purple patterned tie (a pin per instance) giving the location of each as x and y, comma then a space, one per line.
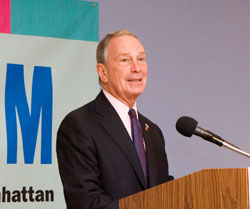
138, 140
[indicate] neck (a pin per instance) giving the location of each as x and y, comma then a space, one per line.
129, 102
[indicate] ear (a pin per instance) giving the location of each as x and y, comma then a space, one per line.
102, 72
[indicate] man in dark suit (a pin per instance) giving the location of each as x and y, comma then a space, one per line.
98, 161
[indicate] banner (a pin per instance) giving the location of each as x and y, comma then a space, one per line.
47, 69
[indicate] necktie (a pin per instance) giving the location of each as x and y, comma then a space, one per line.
137, 137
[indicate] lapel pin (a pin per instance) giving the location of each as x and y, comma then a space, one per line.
146, 127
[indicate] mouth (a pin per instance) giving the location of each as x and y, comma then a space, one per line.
135, 80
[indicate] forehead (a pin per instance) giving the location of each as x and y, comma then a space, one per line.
124, 44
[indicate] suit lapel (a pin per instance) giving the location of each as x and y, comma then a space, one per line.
148, 138
114, 126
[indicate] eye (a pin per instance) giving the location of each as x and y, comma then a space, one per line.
142, 59
124, 60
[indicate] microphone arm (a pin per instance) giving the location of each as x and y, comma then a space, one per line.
233, 147
209, 136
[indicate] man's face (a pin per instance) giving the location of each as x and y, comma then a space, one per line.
125, 69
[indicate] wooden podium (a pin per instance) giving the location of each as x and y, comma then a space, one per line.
205, 189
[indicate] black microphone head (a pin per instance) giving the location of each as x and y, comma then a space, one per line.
186, 125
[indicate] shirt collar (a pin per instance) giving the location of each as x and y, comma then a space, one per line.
120, 107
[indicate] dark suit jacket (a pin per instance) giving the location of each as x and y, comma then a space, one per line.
98, 162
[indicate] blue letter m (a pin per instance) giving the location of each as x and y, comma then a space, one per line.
41, 105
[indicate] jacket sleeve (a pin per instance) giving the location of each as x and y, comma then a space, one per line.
78, 168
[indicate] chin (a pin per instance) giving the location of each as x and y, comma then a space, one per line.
137, 92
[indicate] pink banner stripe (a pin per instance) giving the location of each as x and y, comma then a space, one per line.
5, 16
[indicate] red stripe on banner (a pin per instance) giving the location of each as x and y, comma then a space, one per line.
5, 16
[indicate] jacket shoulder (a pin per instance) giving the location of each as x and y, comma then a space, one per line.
148, 122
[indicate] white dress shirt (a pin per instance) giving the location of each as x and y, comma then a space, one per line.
122, 111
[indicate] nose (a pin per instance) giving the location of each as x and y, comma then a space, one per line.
135, 67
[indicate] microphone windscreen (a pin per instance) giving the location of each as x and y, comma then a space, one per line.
186, 125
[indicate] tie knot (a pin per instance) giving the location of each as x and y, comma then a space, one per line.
132, 113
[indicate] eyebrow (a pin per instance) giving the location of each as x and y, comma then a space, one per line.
127, 54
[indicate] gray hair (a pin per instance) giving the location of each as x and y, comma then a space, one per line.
101, 51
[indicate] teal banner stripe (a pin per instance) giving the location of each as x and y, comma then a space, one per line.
69, 19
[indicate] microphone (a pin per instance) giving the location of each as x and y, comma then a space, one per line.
188, 126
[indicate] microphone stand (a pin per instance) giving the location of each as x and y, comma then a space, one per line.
230, 146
